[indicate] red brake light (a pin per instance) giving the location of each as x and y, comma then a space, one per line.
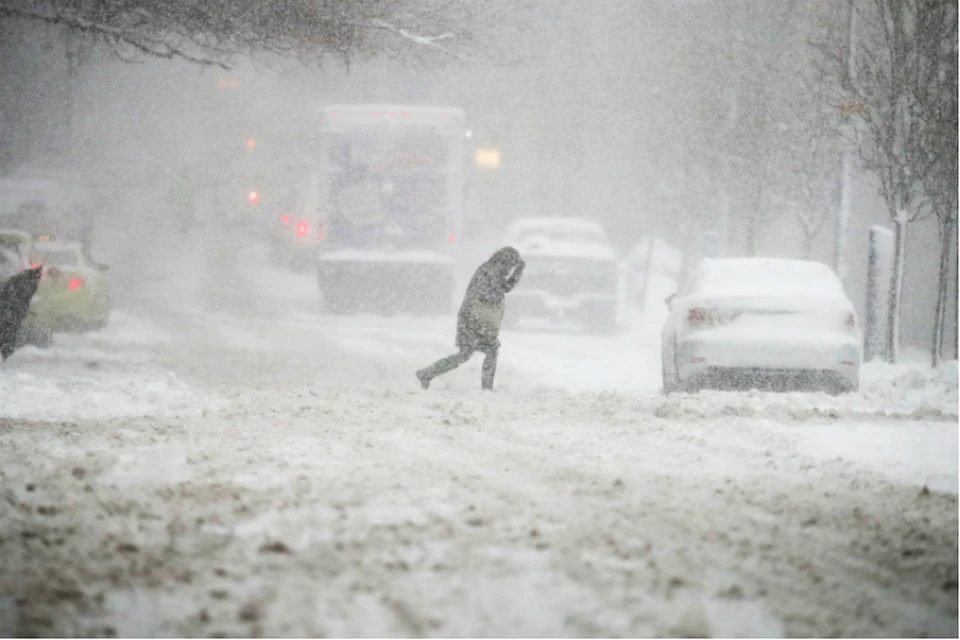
285, 218
254, 197
302, 229
75, 283
320, 235
700, 316
451, 238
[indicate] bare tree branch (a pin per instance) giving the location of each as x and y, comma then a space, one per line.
211, 32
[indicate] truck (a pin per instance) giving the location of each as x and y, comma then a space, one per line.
387, 208
573, 275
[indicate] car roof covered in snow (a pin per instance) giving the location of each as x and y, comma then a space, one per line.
752, 277
557, 236
556, 224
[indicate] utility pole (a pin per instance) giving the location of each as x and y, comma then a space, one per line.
843, 215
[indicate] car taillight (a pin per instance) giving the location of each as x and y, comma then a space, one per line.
451, 238
285, 218
75, 283
700, 316
302, 229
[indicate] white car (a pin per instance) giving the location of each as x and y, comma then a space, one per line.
572, 274
760, 323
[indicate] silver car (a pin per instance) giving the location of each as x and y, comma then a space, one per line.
761, 323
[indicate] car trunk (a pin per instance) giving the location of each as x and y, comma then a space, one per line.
787, 314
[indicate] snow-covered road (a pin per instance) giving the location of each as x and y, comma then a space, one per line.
225, 459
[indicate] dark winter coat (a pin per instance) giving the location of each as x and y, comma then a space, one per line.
15, 296
478, 323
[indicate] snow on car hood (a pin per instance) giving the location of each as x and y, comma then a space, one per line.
549, 247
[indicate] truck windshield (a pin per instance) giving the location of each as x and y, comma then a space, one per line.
388, 187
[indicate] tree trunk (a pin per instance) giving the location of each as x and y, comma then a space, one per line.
807, 245
943, 275
647, 268
896, 289
956, 309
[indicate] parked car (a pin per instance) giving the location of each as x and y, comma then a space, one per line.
572, 274
761, 323
73, 295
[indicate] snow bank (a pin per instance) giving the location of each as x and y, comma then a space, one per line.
533, 513
923, 455
912, 384
75, 394
108, 373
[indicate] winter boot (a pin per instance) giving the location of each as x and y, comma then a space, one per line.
424, 380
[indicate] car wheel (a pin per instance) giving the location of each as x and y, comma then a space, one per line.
668, 386
838, 387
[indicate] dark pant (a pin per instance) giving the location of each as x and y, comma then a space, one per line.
452, 362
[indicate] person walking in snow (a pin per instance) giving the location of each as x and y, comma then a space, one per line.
15, 296
478, 322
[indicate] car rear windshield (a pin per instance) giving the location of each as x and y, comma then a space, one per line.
748, 278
